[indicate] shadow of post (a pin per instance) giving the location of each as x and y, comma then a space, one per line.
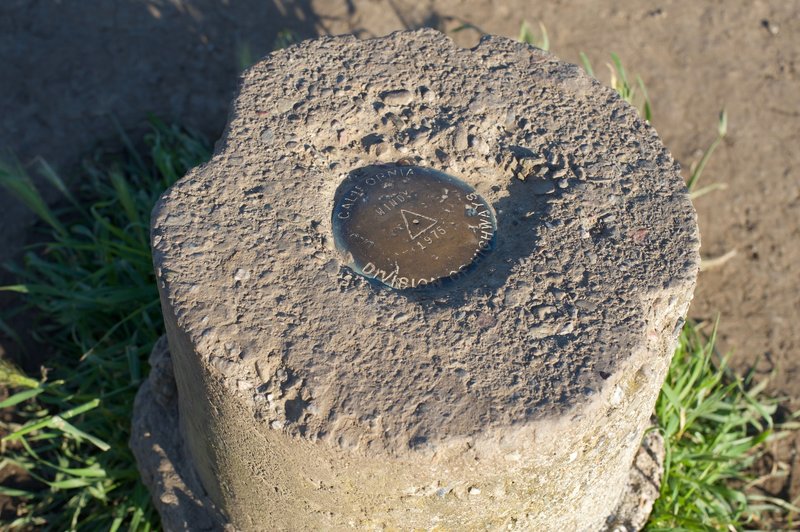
64, 90
520, 216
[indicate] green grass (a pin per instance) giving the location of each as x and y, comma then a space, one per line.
714, 425
92, 284
714, 422
633, 93
527, 35
698, 168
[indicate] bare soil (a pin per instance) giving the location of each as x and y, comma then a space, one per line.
72, 68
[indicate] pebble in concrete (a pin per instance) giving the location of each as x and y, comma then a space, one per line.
515, 396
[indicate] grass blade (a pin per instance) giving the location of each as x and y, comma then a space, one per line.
20, 397
94, 286
16, 181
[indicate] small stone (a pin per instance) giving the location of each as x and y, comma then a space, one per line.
427, 94
542, 186
573, 457
381, 148
567, 329
474, 491
481, 146
771, 27
511, 121
419, 138
397, 97
394, 119
477, 105
461, 139
541, 331
531, 164
267, 136
223, 365
558, 293
543, 310
442, 156
617, 396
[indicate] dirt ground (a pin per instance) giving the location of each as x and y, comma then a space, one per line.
72, 68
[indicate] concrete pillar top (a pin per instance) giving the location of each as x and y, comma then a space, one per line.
419, 286
592, 263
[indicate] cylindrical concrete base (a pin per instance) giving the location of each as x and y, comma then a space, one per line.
516, 395
182, 502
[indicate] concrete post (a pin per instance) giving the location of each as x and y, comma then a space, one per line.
312, 396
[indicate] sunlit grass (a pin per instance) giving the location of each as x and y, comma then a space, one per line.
92, 283
714, 424
527, 35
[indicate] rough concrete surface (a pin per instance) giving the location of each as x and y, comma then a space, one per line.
644, 484
309, 398
160, 453
183, 504
179, 59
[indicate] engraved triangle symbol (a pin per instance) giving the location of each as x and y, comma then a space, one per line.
416, 223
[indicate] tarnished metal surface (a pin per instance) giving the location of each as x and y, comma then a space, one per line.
410, 226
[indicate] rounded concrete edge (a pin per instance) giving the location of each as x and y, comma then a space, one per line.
158, 447
183, 504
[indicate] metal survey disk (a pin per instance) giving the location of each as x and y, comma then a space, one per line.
410, 226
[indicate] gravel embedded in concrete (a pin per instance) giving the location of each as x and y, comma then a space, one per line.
310, 398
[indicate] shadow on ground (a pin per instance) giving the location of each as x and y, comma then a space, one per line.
75, 73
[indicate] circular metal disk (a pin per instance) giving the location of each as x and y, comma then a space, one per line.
410, 226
